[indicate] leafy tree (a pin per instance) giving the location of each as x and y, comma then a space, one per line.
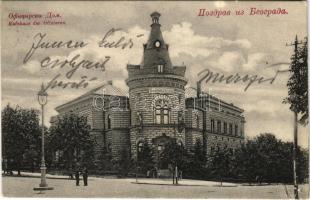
105, 160
298, 82
199, 153
146, 158
21, 136
268, 153
246, 159
303, 165
124, 164
49, 151
220, 163
304, 111
196, 167
174, 154
284, 170
70, 136
268, 159
298, 95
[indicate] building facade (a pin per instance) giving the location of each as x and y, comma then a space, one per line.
156, 109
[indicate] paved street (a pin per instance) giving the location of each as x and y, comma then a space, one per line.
145, 188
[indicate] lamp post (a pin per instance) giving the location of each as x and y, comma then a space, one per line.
42, 99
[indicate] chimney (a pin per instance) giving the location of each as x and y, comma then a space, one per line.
198, 89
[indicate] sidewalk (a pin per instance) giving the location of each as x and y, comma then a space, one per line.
150, 181
37, 175
183, 182
14, 186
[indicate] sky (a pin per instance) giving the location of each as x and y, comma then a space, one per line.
247, 44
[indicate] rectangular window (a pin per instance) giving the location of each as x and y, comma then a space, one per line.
225, 128
219, 126
180, 99
109, 121
162, 115
212, 126
166, 116
160, 68
197, 121
236, 130
230, 129
57, 155
166, 120
212, 150
157, 116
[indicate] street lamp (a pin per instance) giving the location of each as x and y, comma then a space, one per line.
42, 99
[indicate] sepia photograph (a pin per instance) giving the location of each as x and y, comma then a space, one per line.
155, 99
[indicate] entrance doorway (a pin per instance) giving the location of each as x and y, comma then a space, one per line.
159, 144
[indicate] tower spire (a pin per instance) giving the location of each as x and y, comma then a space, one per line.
156, 50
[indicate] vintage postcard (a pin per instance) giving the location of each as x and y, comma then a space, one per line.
155, 99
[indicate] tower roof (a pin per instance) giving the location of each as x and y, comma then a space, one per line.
155, 50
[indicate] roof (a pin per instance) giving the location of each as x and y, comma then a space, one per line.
191, 92
104, 89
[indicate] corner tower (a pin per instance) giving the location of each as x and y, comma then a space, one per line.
156, 95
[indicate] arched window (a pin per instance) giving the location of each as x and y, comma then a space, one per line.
157, 115
140, 147
212, 151
162, 112
109, 147
180, 143
109, 121
165, 112
139, 150
231, 151
160, 148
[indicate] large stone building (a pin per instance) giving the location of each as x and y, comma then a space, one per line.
157, 109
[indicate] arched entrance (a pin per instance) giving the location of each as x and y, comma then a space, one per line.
159, 144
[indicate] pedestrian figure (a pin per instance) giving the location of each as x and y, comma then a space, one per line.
77, 177
85, 176
156, 173
5, 166
70, 173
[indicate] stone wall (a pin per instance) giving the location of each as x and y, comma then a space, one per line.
215, 142
117, 136
120, 142
141, 100
191, 137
